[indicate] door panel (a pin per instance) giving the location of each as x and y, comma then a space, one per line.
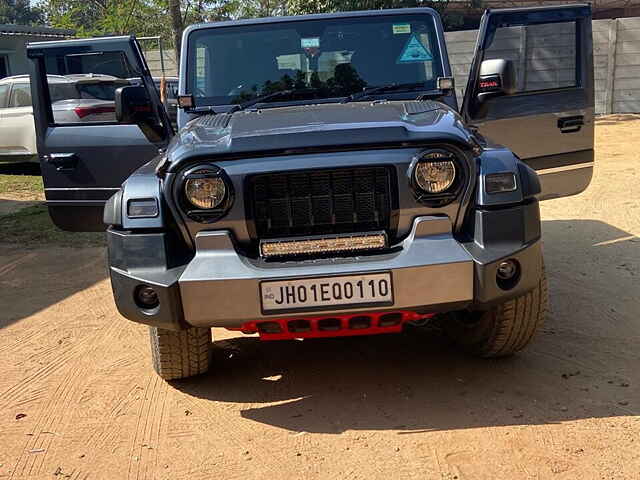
17, 132
84, 160
548, 121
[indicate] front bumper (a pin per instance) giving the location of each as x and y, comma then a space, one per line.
219, 287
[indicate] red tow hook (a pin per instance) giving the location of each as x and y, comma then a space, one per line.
332, 326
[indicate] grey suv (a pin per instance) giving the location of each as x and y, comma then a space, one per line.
325, 180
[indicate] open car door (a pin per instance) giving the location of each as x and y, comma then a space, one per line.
544, 112
85, 154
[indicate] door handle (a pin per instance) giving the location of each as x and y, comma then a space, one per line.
64, 162
571, 124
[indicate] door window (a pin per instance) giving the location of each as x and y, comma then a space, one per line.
543, 55
20, 95
82, 86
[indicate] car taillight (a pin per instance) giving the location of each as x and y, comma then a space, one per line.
84, 111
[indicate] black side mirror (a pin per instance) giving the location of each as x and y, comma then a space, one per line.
134, 107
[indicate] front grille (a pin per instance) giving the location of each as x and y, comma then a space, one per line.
317, 202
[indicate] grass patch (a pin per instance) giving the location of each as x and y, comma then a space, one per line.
31, 226
21, 184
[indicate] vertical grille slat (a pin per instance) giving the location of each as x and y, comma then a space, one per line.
316, 202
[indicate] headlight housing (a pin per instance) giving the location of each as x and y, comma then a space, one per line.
437, 176
205, 193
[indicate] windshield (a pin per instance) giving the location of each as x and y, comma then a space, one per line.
316, 59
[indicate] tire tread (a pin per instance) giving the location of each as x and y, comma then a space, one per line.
516, 322
180, 354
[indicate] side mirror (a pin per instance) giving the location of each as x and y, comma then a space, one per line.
133, 107
497, 78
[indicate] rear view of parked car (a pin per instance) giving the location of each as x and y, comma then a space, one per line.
78, 98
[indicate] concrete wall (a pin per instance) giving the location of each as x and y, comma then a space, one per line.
14, 48
155, 65
619, 49
616, 49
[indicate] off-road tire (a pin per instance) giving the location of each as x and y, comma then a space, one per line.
181, 353
503, 330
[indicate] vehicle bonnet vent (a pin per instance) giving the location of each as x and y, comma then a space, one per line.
214, 121
415, 108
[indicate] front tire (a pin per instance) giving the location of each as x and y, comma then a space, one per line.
181, 353
505, 329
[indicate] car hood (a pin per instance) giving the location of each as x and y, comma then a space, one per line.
317, 127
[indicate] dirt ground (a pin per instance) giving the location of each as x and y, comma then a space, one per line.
79, 400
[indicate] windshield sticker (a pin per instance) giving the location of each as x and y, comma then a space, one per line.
310, 45
414, 51
313, 42
401, 28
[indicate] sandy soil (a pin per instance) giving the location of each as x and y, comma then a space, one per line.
78, 398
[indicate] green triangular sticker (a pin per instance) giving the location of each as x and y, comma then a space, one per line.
414, 51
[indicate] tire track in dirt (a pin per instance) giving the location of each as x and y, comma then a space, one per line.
12, 265
36, 440
143, 453
36, 332
10, 395
238, 431
105, 436
21, 340
51, 415
60, 358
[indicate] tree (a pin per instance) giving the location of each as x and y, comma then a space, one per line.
177, 26
20, 12
107, 17
301, 7
164, 18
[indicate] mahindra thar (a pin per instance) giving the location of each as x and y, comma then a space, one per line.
326, 178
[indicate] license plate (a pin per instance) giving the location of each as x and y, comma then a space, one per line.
315, 293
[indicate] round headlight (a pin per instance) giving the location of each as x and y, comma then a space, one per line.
205, 192
435, 176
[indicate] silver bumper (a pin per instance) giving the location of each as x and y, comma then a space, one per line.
220, 288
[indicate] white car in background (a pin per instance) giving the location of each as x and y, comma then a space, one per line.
75, 99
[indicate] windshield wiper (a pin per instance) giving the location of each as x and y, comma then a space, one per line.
269, 96
392, 87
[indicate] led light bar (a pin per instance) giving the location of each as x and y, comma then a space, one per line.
318, 245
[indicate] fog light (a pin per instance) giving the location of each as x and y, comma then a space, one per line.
146, 297
507, 270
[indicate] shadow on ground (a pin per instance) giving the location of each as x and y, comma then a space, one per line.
20, 168
581, 365
34, 279
9, 206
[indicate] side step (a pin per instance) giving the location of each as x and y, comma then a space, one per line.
332, 326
